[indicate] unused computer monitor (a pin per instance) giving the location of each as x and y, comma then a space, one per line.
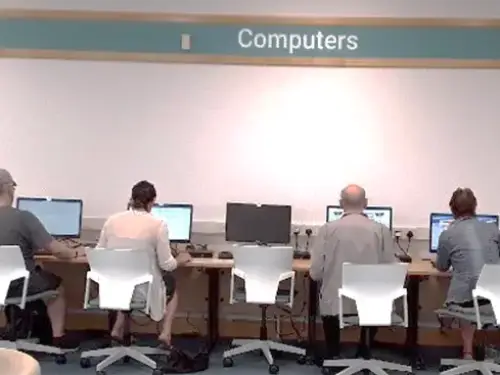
439, 222
380, 214
179, 219
62, 218
252, 223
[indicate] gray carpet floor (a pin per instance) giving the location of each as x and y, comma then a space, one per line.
250, 364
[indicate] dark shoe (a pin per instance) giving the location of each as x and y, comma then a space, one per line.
64, 343
160, 344
116, 341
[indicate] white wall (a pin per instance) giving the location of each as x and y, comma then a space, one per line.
208, 134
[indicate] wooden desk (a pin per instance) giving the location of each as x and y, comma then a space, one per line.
416, 268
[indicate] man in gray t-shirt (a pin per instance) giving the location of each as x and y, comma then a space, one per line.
23, 229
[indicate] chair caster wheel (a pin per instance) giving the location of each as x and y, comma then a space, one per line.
420, 364
61, 359
126, 359
227, 362
326, 371
157, 371
302, 360
84, 362
274, 369
100, 373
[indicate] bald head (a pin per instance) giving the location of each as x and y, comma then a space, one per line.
353, 198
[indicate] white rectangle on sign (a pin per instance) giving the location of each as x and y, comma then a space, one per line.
185, 42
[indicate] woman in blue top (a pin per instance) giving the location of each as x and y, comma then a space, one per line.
466, 246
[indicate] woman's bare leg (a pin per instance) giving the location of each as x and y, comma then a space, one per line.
168, 319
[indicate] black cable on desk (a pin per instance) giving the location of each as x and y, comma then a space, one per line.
405, 256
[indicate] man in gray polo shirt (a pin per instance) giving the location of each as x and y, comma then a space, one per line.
23, 229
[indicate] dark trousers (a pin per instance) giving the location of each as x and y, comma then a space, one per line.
331, 328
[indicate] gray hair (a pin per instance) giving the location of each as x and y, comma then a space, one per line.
353, 196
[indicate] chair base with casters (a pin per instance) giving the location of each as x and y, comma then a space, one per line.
31, 311
456, 366
353, 366
377, 367
115, 354
122, 352
263, 345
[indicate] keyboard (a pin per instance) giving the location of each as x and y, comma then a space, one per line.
43, 252
201, 254
225, 255
74, 244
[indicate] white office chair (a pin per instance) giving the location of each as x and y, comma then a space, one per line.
118, 272
13, 267
262, 268
374, 288
487, 287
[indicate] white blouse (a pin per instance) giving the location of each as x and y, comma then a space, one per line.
140, 230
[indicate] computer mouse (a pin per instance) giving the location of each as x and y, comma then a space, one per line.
225, 255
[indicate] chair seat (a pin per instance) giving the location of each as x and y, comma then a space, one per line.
353, 320
135, 305
282, 297
34, 297
468, 313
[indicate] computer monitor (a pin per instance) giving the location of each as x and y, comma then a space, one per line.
439, 222
251, 223
380, 214
62, 218
179, 218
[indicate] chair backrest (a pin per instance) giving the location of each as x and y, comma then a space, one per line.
118, 272
374, 287
488, 286
19, 363
12, 267
262, 268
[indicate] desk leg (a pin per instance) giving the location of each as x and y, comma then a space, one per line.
111, 320
213, 307
412, 346
312, 313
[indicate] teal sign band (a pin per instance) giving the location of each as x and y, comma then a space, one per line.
252, 40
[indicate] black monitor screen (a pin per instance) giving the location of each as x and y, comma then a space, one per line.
266, 224
62, 218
